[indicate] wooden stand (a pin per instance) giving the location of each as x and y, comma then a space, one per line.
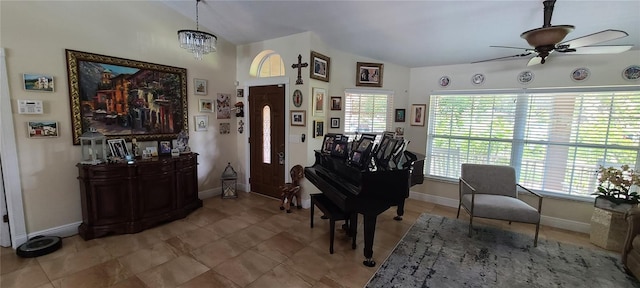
128, 198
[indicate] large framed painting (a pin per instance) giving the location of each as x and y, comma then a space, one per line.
126, 99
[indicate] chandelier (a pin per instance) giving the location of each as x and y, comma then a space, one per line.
198, 42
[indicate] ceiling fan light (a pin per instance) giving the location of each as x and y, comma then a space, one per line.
547, 35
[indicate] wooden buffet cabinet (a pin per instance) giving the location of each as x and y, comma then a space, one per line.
128, 198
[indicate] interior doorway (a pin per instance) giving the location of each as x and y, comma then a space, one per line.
267, 149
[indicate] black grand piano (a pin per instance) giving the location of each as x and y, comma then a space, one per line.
362, 178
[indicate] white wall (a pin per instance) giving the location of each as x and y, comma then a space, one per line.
36, 34
342, 76
606, 70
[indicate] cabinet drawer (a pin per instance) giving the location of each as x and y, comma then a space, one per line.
106, 171
156, 168
186, 161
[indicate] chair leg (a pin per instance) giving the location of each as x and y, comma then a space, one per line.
535, 240
458, 216
470, 224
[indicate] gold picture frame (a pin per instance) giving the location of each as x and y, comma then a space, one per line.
123, 98
369, 74
320, 66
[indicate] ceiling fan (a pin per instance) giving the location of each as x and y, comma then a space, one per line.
547, 39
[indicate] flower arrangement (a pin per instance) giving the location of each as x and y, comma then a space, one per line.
616, 184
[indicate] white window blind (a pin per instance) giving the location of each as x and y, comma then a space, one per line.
555, 140
367, 111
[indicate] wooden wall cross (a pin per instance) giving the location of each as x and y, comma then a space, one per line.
299, 66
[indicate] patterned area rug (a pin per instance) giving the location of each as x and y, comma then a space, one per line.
436, 252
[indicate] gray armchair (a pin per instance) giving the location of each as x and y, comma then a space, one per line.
491, 191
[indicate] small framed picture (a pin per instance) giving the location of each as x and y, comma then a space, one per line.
335, 122
369, 74
336, 103
320, 65
400, 115
417, 114
38, 82
318, 101
42, 129
164, 147
225, 128
206, 105
118, 148
153, 151
200, 86
318, 128
298, 118
239, 93
202, 122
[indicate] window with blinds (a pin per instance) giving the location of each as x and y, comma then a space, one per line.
367, 111
555, 140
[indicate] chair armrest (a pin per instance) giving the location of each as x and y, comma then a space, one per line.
534, 194
473, 190
633, 228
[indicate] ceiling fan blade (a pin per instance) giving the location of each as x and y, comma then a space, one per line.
505, 57
511, 47
609, 49
595, 38
535, 61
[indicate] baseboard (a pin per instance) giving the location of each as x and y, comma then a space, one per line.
545, 220
60, 231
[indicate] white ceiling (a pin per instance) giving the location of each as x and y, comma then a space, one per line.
412, 33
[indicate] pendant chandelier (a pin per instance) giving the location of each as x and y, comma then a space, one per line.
198, 42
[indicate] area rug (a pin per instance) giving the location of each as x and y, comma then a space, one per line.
436, 252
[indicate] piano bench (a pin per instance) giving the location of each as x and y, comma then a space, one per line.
331, 211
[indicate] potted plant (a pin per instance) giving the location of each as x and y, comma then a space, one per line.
615, 188
617, 193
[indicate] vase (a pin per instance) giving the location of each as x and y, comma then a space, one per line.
608, 225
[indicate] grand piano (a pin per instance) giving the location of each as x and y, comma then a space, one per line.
362, 178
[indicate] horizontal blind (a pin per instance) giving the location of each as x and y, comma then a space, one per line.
367, 111
555, 140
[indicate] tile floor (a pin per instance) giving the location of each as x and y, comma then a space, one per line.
243, 242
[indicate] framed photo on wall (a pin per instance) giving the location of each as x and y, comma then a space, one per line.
336, 103
417, 114
320, 65
37, 82
369, 74
318, 101
42, 129
298, 118
335, 122
318, 128
202, 122
206, 105
200, 86
400, 115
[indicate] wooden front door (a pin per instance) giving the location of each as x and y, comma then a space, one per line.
266, 139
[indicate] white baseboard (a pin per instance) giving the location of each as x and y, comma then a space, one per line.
545, 220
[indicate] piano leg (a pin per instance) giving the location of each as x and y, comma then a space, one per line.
369, 233
400, 211
353, 229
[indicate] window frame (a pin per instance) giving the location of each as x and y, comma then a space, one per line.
346, 107
517, 143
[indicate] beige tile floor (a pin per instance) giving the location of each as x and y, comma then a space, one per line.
243, 242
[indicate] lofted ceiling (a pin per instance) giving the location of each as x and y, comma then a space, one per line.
412, 33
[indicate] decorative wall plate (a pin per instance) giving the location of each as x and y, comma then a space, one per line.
631, 73
580, 74
444, 81
477, 79
525, 77
297, 98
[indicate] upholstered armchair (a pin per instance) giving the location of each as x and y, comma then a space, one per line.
491, 191
631, 250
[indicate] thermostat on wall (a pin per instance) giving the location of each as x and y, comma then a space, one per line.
30, 107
